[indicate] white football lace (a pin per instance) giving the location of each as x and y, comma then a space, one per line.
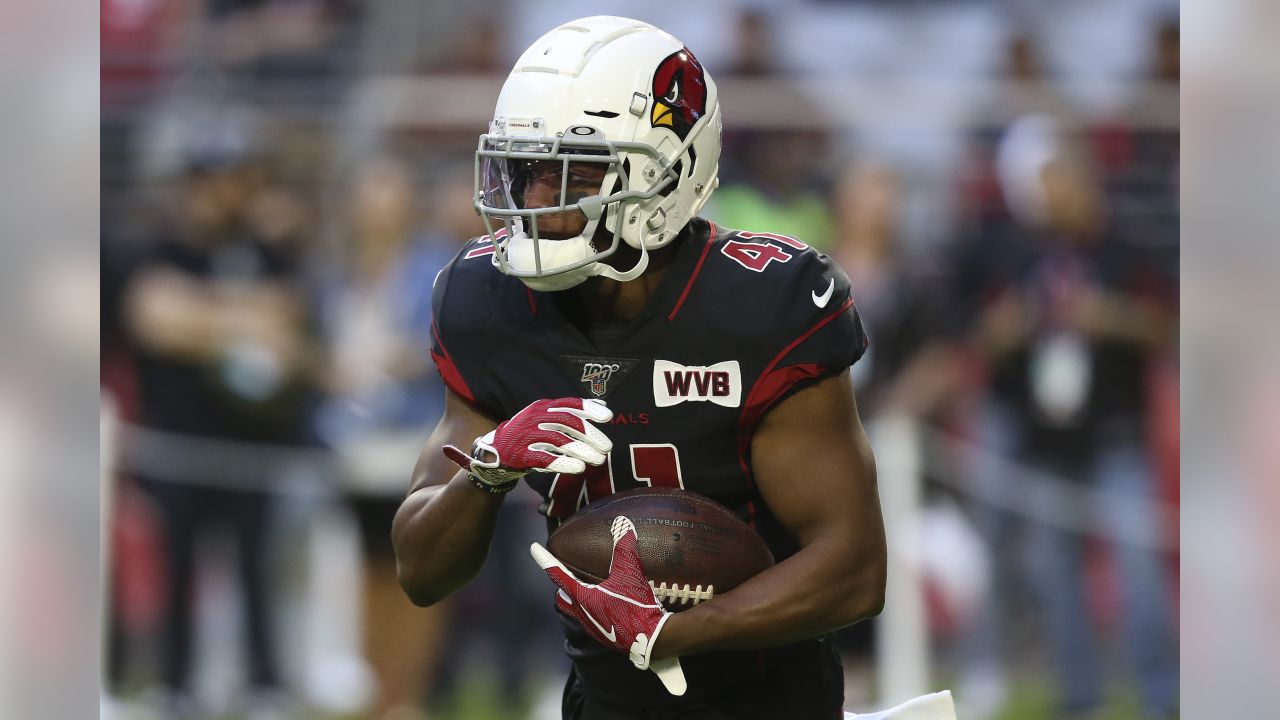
683, 594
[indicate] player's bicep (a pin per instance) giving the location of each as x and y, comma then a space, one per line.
460, 425
814, 467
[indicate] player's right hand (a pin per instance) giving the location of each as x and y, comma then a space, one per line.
625, 600
547, 436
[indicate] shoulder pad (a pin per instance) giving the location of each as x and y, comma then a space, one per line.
470, 293
783, 292
474, 309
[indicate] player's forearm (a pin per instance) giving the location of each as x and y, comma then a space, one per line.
167, 315
823, 587
441, 536
1144, 324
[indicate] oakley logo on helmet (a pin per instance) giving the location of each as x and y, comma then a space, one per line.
679, 93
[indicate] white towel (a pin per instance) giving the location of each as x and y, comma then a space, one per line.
934, 706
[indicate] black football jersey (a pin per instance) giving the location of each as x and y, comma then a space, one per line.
739, 321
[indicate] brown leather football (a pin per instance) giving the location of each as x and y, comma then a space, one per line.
692, 548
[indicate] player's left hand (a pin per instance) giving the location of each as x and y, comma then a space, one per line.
622, 612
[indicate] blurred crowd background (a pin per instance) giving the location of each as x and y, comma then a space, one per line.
281, 180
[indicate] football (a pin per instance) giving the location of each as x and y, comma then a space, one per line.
691, 547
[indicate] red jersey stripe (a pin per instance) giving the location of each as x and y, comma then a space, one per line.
772, 385
448, 371
711, 238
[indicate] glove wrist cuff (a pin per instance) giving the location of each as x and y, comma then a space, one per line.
490, 476
495, 488
642, 656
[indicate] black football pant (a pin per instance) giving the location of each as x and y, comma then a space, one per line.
189, 511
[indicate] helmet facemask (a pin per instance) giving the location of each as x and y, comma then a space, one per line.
543, 199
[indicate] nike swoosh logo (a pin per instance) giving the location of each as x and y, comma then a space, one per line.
822, 300
613, 636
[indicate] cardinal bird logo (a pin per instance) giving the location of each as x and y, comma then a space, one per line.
679, 93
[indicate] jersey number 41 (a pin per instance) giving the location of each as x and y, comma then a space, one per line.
651, 466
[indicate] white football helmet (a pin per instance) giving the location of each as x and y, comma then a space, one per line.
602, 120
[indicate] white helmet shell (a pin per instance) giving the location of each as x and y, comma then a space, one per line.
606, 90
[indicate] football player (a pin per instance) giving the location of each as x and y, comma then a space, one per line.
603, 337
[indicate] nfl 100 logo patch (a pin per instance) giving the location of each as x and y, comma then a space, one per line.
598, 376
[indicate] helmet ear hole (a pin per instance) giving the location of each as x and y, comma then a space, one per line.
678, 169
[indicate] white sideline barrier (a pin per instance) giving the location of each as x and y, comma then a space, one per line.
902, 652
934, 706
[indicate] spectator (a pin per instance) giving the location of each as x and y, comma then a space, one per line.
773, 189
1028, 86
218, 329
385, 397
1067, 320
905, 370
770, 174
754, 53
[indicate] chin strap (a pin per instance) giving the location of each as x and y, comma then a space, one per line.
573, 278
569, 278
603, 270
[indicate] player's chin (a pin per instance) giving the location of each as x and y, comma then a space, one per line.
565, 226
556, 234
561, 226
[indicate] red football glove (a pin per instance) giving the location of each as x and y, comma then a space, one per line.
622, 612
547, 436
